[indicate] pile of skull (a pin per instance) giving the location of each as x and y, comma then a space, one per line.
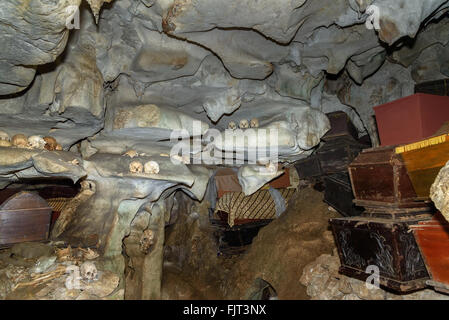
244, 124
31, 142
150, 167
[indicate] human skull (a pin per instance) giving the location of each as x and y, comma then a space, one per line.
36, 142
244, 124
89, 271
4, 143
232, 125
151, 167
50, 143
146, 241
19, 140
254, 123
136, 167
131, 153
88, 185
4, 136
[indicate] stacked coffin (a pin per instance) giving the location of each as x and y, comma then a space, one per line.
329, 163
437, 87
237, 218
379, 239
393, 184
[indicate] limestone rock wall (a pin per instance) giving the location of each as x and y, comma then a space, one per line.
439, 192
113, 90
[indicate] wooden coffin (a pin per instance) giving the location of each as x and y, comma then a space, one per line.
385, 243
341, 126
411, 119
24, 217
338, 194
56, 196
309, 167
432, 237
333, 156
226, 180
238, 208
437, 87
336, 155
379, 178
424, 160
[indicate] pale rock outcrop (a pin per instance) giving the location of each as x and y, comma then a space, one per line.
439, 192
323, 282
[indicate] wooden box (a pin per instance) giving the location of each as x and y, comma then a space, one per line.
432, 237
338, 194
379, 178
437, 87
309, 167
411, 119
25, 216
341, 126
336, 155
333, 156
384, 243
424, 160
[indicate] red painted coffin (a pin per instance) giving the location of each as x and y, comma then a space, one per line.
433, 241
412, 118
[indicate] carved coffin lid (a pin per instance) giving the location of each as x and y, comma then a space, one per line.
24, 200
378, 156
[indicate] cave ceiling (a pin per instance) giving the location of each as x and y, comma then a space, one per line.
107, 76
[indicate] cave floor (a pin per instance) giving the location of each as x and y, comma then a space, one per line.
294, 254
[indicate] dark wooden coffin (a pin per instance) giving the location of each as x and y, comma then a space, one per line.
309, 167
336, 155
385, 243
25, 216
338, 194
437, 87
432, 237
341, 126
424, 160
379, 178
333, 156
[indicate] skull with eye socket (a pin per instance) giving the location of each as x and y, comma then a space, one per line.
89, 271
244, 124
232, 125
146, 241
